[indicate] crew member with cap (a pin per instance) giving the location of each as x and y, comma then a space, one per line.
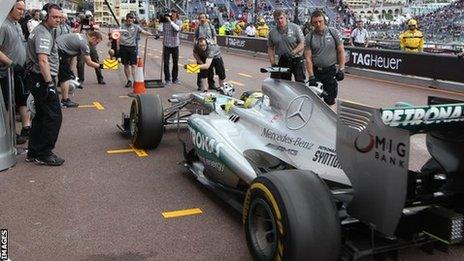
128, 47
287, 41
323, 49
69, 46
42, 64
13, 55
86, 24
359, 36
412, 40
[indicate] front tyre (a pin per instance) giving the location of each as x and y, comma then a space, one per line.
290, 215
146, 121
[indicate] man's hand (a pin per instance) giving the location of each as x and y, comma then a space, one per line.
17, 68
50, 89
101, 66
339, 75
312, 81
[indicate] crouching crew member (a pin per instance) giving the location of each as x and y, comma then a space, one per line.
13, 54
323, 49
42, 66
69, 46
287, 41
209, 57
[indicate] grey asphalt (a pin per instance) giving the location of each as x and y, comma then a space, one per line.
103, 207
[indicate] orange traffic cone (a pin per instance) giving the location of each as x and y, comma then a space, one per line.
139, 82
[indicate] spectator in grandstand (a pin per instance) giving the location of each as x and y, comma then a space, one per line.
412, 40
42, 61
69, 46
34, 21
87, 24
359, 36
262, 29
171, 42
323, 49
250, 31
128, 47
209, 57
13, 55
287, 41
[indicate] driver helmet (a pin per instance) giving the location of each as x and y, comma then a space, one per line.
250, 98
228, 89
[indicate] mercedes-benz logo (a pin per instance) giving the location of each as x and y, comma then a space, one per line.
299, 112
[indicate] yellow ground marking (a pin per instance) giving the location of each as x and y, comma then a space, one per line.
150, 54
245, 75
138, 152
181, 65
237, 83
99, 106
123, 96
156, 56
191, 60
95, 105
181, 57
182, 213
227, 70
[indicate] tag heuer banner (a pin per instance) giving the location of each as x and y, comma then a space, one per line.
110, 64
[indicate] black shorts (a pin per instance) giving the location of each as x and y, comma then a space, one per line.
128, 55
20, 90
64, 72
218, 65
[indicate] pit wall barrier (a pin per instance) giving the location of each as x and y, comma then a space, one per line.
442, 71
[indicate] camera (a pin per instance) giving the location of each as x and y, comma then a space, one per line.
162, 15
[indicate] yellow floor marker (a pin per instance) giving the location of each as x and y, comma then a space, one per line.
245, 75
181, 57
182, 213
237, 83
99, 106
138, 152
181, 65
123, 96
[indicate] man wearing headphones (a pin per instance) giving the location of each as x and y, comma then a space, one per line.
13, 55
205, 30
323, 49
209, 57
42, 65
287, 41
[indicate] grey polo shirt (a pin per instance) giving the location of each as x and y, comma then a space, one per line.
41, 41
129, 34
205, 31
73, 44
213, 51
324, 47
12, 44
286, 39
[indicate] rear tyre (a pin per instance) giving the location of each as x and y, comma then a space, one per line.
146, 121
290, 215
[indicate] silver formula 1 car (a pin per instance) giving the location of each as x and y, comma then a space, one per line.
313, 184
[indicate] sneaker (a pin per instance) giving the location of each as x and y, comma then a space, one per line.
20, 139
101, 82
50, 160
30, 157
167, 82
128, 84
68, 103
176, 81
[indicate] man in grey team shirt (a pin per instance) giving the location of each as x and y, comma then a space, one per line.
69, 46
128, 47
42, 66
287, 41
323, 49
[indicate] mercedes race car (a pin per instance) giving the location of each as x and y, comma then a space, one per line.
313, 184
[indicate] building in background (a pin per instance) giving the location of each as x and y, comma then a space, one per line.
102, 14
69, 6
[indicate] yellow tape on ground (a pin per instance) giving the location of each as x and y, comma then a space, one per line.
182, 213
237, 83
139, 152
110, 64
99, 106
119, 151
245, 75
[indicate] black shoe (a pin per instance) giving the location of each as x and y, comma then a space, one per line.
26, 131
128, 84
68, 103
20, 139
102, 82
50, 160
30, 157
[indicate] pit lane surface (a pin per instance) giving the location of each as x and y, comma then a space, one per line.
109, 207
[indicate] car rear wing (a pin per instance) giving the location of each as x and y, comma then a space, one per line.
373, 148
